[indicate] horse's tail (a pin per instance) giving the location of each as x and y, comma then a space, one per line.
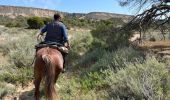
50, 77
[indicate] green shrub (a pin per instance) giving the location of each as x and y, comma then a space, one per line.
47, 20
91, 57
22, 52
80, 44
4, 20
13, 24
117, 59
10, 24
17, 76
19, 21
148, 80
35, 22
93, 77
19, 46
107, 36
93, 81
152, 39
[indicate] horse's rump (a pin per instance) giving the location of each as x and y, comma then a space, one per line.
54, 55
48, 64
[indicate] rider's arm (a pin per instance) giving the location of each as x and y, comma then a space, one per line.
43, 30
65, 35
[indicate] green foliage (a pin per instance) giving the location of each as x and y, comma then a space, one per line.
105, 69
35, 22
107, 36
91, 57
4, 20
90, 24
17, 76
13, 22
80, 44
94, 78
21, 52
19, 48
124, 74
117, 59
148, 80
70, 89
47, 20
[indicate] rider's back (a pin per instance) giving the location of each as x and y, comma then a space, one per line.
54, 32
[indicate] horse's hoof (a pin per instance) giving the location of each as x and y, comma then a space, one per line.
64, 70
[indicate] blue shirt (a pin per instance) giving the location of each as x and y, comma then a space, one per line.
56, 32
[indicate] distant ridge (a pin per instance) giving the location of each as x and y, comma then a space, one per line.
13, 11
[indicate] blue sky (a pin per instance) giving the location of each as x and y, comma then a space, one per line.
72, 6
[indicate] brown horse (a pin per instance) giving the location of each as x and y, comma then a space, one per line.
48, 65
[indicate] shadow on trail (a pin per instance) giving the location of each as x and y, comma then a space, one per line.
28, 95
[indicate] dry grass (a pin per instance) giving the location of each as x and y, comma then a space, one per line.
156, 44
160, 48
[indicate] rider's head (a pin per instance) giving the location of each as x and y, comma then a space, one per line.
57, 16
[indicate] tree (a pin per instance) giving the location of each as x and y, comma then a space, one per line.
158, 13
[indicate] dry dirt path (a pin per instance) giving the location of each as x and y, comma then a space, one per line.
160, 48
22, 93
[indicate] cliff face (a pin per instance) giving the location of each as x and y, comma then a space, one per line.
105, 16
12, 11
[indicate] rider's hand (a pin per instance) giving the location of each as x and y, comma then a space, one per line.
68, 45
39, 36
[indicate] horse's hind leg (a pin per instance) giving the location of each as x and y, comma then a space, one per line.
37, 82
57, 75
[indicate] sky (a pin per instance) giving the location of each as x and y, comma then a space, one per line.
72, 6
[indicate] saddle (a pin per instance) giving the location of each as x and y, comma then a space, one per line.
54, 45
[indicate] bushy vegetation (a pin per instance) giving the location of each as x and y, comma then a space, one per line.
13, 22
148, 80
38, 22
91, 24
108, 36
19, 48
101, 65
35, 22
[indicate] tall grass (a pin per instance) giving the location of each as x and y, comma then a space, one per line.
19, 47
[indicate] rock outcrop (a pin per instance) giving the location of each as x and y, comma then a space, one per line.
13, 11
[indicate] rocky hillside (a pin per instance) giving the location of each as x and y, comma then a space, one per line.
13, 11
104, 15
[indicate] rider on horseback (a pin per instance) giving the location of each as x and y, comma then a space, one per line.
55, 33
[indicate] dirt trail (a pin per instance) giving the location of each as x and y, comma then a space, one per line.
22, 93
160, 48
